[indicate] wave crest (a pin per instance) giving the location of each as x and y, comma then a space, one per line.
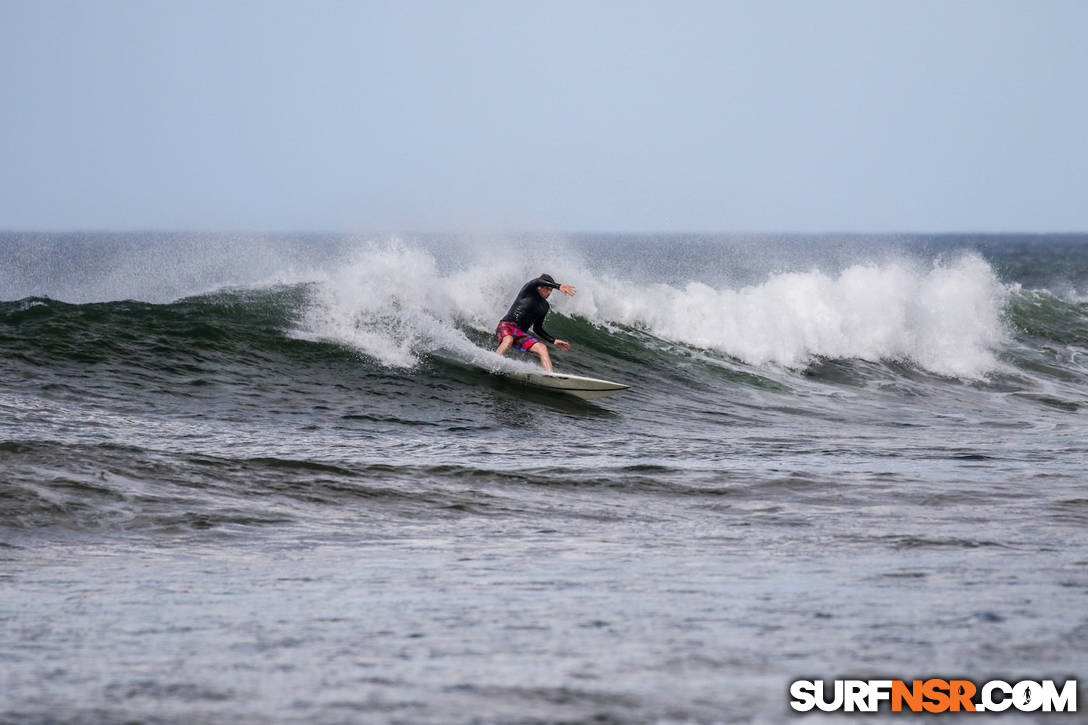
946, 318
395, 304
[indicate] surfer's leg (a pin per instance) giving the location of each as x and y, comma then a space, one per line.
542, 350
505, 344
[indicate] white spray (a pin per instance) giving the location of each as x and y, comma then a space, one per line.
394, 304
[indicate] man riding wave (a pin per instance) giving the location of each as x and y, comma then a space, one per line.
528, 311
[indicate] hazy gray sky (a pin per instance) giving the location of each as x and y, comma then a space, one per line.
591, 115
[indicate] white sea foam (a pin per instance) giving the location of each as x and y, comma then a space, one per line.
946, 318
393, 303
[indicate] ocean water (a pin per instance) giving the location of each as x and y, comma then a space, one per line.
276, 480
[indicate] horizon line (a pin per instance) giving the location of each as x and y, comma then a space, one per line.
166, 231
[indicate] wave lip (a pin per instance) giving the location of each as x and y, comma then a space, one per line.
947, 318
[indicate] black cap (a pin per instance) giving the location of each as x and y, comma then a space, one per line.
546, 278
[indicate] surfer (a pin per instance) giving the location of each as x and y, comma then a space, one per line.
529, 310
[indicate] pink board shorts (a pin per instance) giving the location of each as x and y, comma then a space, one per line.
522, 340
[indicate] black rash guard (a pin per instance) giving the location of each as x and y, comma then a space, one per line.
530, 308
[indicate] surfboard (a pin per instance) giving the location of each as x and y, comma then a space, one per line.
576, 385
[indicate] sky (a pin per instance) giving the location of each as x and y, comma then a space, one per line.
864, 116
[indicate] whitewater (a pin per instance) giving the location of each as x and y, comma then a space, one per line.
393, 304
274, 478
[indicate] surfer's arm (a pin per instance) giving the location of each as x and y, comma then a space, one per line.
564, 288
543, 335
538, 328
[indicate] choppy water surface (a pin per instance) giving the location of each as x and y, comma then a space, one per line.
276, 480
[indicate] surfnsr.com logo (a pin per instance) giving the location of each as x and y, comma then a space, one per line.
933, 695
